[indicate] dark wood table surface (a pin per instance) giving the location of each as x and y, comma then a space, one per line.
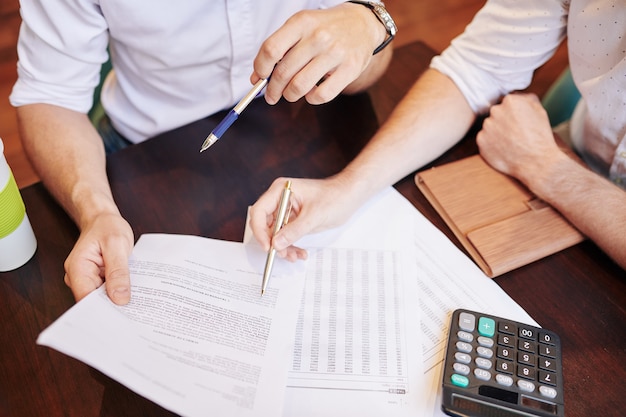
165, 185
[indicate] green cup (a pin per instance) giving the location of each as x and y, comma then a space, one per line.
17, 239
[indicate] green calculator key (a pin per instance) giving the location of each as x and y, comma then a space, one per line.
459, 380
486, 326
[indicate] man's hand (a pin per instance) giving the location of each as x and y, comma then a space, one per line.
75, 174
101, 254
317, 53
316, 205
517, 139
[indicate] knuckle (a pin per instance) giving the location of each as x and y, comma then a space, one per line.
297, 88
303, 19
319, 96
322, 37
279, 182
479, 138
268, 47
117, 272
280, 72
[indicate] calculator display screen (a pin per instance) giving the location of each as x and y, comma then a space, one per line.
481, 408
540, 405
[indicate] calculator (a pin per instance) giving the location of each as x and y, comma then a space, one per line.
495, 367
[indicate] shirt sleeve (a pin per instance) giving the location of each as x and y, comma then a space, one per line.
501, 48
326, 4
61, 48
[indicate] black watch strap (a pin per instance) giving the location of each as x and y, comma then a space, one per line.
378, 8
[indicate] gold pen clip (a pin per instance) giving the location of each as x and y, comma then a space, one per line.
288, 210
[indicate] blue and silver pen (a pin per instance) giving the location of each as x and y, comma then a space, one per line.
233, 114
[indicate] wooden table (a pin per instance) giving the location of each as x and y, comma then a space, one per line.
165, 185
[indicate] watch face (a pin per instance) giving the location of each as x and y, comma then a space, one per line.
385, 17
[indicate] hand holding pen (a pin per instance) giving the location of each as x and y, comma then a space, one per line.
282, 217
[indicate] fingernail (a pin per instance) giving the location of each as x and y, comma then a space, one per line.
120, 296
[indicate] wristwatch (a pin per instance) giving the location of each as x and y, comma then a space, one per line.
378, 8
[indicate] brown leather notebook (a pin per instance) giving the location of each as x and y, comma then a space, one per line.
500, 223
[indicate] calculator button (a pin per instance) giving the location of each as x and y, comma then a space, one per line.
483, 363
459, 368
547, 364
484, 352
505, 380
525, 372
505, 340
459, 380
482, 374
526, 358
485, 341
462, 357
465, 336
526, 346
505, 353
548, 351
526, 333
547, 378
504, 366
547, 338
463, 347
547, 391
526, 385
467, 322
486, 327
507, 327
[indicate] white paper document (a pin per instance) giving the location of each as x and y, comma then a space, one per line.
436, 279
448, 280
197, 337
358, 329
354, 333
357, 346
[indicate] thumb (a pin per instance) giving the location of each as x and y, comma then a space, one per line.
289, 234
117, 277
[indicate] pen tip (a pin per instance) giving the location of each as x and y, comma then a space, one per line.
262, 292
210, 140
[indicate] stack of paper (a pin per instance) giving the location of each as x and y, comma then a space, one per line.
359, 328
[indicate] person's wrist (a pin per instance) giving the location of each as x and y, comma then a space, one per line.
89, 205
353, 185
385, 23
543, 175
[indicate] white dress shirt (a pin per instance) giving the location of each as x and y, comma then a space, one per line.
174, 62
509, 39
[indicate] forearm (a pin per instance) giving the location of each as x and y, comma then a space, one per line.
590, 202
432, 117
428, 121
68, 155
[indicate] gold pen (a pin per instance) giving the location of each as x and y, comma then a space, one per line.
281, 219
